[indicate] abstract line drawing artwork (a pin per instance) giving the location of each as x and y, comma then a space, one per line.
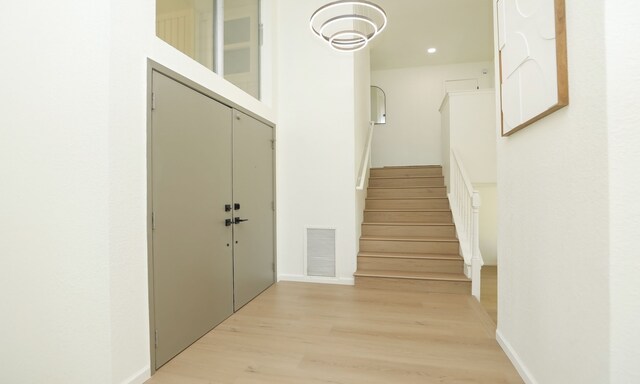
533, 61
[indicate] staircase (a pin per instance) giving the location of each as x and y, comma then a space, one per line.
408, 237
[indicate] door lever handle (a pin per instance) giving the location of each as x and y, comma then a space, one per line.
228, 222
238, 220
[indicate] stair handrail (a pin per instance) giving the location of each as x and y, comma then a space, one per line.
365, 161
465, 207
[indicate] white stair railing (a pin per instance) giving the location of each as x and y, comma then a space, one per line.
465, 207
365, 162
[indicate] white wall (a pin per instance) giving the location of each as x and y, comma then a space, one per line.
414, 95
488, 222
553, 238
468, 125
472, 133
74, 154
623, 93
316, 142
133, 40
54, 201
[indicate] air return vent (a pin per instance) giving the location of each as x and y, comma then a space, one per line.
321, 252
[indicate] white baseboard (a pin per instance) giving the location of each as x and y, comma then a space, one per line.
139, 377
317, 279
515, 359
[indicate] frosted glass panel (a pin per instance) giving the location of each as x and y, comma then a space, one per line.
242, 44
188, 25
222, 35
237, 31
237, 61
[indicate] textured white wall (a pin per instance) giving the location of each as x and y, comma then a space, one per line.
54, 231
414, 95
133, 40
74, 155
316, 142
623, 93
472, 133
553, 237
468, 125
488, 222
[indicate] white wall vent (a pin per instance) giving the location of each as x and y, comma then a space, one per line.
321, 252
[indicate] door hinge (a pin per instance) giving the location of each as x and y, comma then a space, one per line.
156, 339
273, 144
153, 221
273, 206
153, 101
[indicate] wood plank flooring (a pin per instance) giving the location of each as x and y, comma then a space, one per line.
311, 333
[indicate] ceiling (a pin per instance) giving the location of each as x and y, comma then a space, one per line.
461, 30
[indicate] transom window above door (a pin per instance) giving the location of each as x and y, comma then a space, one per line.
222, 35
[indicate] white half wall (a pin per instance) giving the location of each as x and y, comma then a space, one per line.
471, 132
316, 142
411, 135
623, 93
553, 237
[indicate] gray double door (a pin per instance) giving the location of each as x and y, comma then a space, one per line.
212, 213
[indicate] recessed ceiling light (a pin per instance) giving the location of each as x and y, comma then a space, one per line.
431, 50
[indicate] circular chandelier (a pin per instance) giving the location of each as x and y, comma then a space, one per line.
348, 26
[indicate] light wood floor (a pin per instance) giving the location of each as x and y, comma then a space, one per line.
489, 291
308, 333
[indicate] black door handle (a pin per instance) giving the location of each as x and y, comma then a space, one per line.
238, 220
228, 222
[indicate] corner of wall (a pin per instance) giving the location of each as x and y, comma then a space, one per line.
517, 362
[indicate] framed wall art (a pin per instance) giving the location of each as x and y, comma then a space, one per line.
532, 48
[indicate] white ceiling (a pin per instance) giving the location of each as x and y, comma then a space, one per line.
461, 30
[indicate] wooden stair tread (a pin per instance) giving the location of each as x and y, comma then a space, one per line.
410, 238
408, 166
408, 210
405, 177
458, 277
410, 224
410, 187
409, 198
424, 256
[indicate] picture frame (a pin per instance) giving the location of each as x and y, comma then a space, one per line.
532, 52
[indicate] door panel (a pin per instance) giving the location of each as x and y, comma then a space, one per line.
253, 190
192, 247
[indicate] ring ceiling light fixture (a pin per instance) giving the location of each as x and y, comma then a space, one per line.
348, 26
